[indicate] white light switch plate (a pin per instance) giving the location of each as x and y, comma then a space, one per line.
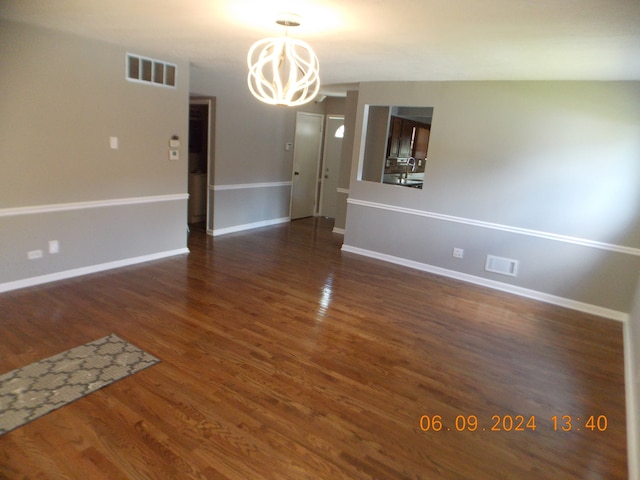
54, 246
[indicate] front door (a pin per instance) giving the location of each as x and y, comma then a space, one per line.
331, 165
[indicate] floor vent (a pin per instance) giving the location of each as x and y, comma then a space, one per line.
151, 71
504, 266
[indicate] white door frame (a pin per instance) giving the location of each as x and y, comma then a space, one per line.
211, 105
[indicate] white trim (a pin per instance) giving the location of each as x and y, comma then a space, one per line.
76, 272
523, 292
242, 186
632, 397
209, 102
61, 207
504, 228
343, 190
248, 226
338, 230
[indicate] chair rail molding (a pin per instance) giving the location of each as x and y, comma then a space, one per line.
116, 202
504, 228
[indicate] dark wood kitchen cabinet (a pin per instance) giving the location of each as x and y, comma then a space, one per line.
407, 138
421, 143
395, 131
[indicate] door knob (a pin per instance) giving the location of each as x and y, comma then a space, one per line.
296, 173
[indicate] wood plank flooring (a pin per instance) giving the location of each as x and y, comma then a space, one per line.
284, 358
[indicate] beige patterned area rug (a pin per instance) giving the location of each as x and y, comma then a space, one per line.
37, 389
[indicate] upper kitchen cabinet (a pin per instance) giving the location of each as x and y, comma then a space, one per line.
407, 138
395, 133
421, 143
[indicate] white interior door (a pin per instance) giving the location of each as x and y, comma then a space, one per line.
331, 165
306, 159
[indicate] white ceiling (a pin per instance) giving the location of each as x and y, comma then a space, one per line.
364, 40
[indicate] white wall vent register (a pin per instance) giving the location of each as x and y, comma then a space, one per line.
151, 71
504, 266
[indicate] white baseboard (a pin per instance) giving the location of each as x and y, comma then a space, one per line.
338, 230
77, 272
504, 287
248, 226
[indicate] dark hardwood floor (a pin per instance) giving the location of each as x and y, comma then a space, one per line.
284, 358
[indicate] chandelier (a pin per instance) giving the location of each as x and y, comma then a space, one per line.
283, 71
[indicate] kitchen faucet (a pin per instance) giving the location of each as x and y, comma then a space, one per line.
411, 162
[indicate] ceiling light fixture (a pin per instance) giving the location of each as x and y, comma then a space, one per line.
283, 71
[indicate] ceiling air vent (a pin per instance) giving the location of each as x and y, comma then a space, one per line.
504, 266
151, 71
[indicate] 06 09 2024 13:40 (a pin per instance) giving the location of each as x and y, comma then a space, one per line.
513, 423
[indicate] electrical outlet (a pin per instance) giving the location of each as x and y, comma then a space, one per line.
458, 252
34, 254
54, 246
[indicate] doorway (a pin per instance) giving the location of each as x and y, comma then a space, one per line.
306, 162
334, 132
200, 164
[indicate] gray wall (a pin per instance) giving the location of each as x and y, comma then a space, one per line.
333, 106
61, 98
375, 145
350, 109
545, 173
252, 169
632, 349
